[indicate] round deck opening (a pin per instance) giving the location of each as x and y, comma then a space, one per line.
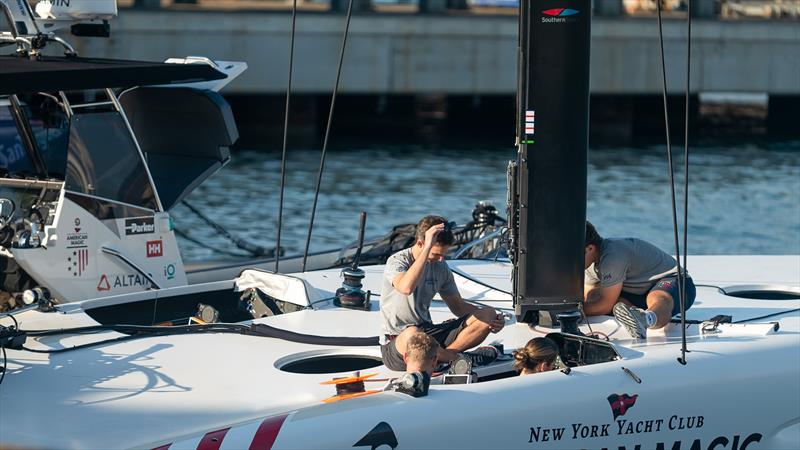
763, 292
330, 363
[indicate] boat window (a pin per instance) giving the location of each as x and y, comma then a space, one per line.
50, 127
13, 156
103, 161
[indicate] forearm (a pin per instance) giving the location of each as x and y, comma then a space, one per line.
409, 280
457, 305
463, 308
592, 305
600, 300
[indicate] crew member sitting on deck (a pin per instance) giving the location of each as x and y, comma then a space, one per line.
420, 354
634, 279
538, 355
410, 280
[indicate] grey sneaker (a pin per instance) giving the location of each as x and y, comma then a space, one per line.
632, 318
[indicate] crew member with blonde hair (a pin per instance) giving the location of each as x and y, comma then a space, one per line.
538, 355
420, 354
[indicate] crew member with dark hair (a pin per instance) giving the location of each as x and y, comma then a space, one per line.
634, 279
411, 279
538, 355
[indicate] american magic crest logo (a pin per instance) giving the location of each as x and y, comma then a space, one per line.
559, 15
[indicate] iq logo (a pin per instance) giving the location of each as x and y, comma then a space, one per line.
169, 271
558, 15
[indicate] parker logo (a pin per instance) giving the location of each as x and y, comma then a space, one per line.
141, 225
559, 15
155, 248
620, 404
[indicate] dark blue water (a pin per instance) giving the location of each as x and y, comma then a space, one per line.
743, 199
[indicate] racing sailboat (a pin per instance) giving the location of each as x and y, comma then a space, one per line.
197, 371
89, 176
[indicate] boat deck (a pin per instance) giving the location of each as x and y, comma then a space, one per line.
171, 385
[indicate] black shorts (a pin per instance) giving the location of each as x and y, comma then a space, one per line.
444, 333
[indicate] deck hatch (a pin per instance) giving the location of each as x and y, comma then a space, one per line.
335, 362
762, 292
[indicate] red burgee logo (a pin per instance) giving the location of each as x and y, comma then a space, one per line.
621, 403
155, 248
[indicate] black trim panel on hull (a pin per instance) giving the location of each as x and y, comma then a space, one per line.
48, 74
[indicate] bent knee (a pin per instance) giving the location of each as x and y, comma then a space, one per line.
480, 322
485, 314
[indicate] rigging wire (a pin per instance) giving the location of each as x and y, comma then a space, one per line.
285, 137
686, 176
682, 359
327, 131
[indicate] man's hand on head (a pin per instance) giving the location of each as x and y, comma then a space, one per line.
430, 235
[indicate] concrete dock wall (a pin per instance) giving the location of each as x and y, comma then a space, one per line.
454, 54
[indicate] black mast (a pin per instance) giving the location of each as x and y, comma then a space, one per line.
547, 185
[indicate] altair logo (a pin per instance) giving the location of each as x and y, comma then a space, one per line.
558, 15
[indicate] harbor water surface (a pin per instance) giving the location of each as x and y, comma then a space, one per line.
743, 198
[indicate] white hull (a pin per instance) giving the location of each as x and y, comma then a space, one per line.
149, 392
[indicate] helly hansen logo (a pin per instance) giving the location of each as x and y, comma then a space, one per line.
142, 225
620, 404
155, 248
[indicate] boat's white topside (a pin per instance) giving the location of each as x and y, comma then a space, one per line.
147, 391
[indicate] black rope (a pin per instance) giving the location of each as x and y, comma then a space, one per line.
4, 367
683, 321
251, 249
682, 359
712, 286
686, 175
285, 138
209, 247
768, 315
142, 331
327, 132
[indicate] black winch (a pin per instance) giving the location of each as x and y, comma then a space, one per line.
485, 214
350, 295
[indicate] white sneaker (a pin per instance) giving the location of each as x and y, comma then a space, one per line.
632, 318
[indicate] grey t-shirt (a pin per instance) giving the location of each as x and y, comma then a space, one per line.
401, 311
635, 263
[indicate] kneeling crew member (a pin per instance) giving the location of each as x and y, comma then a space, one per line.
634, 279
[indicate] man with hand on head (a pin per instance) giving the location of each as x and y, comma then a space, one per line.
411, 279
